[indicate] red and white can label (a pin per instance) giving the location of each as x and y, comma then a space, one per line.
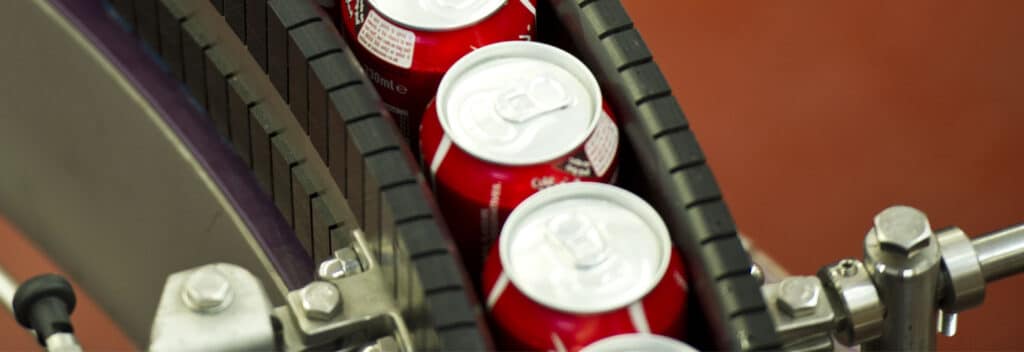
356, 11
406, 46
388, 42
603, 145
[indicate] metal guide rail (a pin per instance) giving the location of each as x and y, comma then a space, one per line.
369, 166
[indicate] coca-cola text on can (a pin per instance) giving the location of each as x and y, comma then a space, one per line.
510, 119
580, 262
405, 46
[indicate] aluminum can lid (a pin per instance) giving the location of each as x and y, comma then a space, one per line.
518, 103
436, 15
638, 343
584, 247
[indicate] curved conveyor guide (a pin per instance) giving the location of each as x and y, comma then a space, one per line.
675, 175
336, 120
112, 170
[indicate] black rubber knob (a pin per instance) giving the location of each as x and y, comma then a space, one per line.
44, 303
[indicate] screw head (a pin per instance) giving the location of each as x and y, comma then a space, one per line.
757, 273
207, 290
847, 267
902, 229
320, 300
344, 263
798, 296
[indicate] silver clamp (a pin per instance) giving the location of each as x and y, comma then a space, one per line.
964, 284
889, 300
223, 307
345, 307
215, 307
802, 314
855, 298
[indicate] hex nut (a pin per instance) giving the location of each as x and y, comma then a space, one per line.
320, 300
207, 290
344, 263
798, 296
902, 229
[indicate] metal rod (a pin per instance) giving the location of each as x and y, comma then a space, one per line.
7, 288
1001, 253
902, 255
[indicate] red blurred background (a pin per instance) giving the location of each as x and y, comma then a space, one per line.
815, 116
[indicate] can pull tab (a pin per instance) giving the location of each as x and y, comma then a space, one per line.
539, 96
579, 238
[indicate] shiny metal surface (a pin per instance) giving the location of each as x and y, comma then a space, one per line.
757, 273
947, 323
62, 342
902, 229
244, 325
363, 314
320, 300
854, 297
345, 262
792, 329
799, 296
1001, 253
8, 286
207, 290
817, 343
384, 344
964, 282
118, 165
905, 268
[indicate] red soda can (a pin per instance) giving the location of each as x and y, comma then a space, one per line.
638, 342
580, 262
510, 119
405, 46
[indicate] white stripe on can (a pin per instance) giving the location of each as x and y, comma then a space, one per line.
639, 318
681, 281
442, 151
559, 345
499, 287
528, 6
